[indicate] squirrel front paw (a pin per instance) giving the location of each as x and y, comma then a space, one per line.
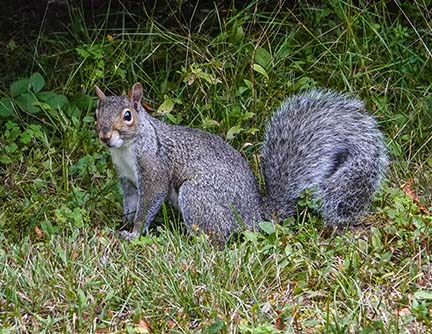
128, 236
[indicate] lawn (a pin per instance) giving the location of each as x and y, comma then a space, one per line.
222, 68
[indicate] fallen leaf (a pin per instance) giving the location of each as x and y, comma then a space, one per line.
142, 327
148, 107
74, 255
191, 80
279, 323
129, 281
245, 145
405, 312
39, 232
407, 189
171, 324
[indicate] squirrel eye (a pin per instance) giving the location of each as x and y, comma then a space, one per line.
127, 116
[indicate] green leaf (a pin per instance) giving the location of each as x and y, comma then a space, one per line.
376, 238
216, 327
304, 83
208, 123
174, 119
19, 87
36, 131
72, 111
6, 107
252, 130
48, 228
84, 102
143, 240
199, 73
285, 50
99, 73
26, 102
258, 68
77, 216
242, 89
88, 119
247, 115
55, 101
11, 148
83, 53
263, 57
238, 35
11, 45
58, 101
233, 131
12, 131
82, 298
423, 294
250, 236
167, 105
4, 159
46, 96
267, 227
248, 83
37, 82
26, 137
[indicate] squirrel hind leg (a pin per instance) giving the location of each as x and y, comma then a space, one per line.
202, 211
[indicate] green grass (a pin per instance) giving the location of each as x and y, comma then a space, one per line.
63, 268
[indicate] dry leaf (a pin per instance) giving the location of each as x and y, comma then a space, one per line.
279, 323
407, 189
74, 255
171, 324
405, 312
148, 107
246, 145
39, 232
142, 327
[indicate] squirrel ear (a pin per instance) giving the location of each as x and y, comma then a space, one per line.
135, 95
100, 94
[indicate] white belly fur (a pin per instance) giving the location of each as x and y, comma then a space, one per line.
124, 159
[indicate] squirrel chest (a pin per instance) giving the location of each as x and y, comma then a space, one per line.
124, 158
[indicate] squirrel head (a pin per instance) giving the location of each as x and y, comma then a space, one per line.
117, 117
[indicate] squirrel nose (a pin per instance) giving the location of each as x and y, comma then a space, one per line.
105, 135
105, 139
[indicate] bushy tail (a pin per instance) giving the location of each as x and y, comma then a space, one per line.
326, 142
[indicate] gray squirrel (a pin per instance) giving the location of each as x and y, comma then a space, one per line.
319, 140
